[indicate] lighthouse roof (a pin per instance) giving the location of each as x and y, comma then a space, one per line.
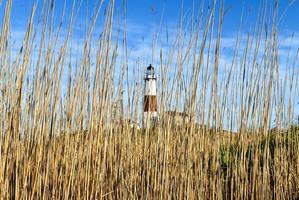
150, 67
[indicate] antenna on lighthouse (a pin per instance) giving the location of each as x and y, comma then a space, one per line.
150, 105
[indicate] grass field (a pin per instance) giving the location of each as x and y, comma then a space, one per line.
57, 139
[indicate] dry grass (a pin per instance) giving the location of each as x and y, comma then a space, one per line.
61, 145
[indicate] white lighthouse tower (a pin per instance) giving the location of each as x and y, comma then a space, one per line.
150, 105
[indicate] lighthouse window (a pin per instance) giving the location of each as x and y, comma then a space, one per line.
150, 72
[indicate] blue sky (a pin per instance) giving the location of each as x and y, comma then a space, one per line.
148, 12
146, 17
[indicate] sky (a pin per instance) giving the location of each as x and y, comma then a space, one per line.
145, 18
148, 12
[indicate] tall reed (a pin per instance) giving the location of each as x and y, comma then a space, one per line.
58, 140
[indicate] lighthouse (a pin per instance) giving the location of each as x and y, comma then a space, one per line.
150, 105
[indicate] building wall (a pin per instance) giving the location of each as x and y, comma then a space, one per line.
150, 119
150, 103
150, 87
176, 118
